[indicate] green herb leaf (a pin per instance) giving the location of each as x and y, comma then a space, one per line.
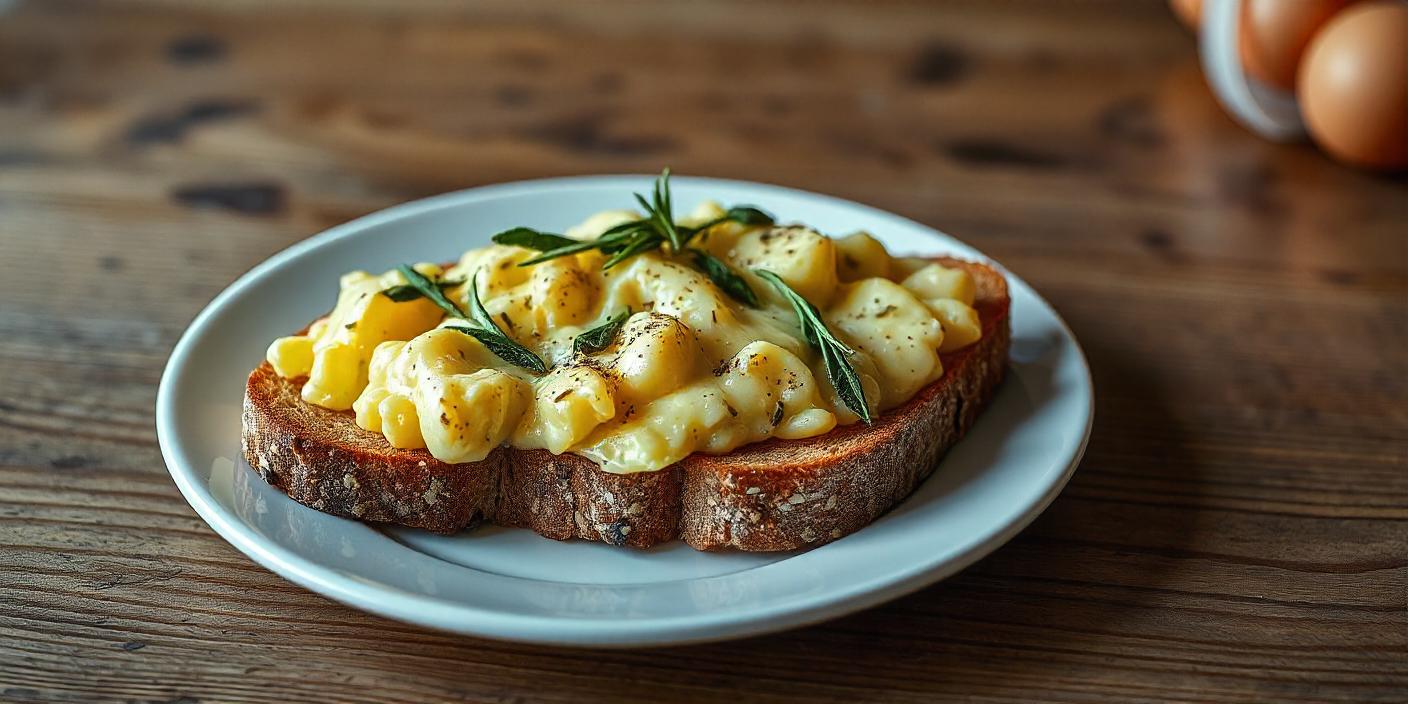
402, 293
742, 214
407, 292
533, 239
749, 215
419, 286
554, 246
622, 230
628, 239
601, 336
624, 235
664, 212
562, 251
834, 353
504, 348
725, 278
495, 339
643, 241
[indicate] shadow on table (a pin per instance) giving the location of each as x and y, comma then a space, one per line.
1072, 599
1092, 567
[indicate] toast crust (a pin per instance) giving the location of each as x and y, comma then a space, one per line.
767, 496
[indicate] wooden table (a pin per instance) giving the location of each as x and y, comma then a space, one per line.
1238, 530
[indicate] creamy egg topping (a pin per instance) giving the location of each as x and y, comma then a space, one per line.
690, 370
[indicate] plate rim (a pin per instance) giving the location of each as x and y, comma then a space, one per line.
468, 619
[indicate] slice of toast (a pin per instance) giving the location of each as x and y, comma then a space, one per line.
772, 495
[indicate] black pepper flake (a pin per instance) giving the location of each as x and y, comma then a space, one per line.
777, 414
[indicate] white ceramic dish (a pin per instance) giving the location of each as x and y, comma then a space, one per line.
512, 584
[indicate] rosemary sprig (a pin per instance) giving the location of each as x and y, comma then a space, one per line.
601, 336
636, 245
482, 326
653, 231
834, 353
664, 212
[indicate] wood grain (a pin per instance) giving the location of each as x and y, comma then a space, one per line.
1237, 532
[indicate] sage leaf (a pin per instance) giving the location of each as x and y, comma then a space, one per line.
529, 238
601, 336
725, 278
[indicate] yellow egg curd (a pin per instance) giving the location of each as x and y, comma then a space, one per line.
690, 370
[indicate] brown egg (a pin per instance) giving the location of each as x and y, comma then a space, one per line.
1353, 85
1274, 34
1189, 12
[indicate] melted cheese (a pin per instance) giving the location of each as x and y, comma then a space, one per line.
691, 370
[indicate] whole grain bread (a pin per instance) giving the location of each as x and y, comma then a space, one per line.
768, 496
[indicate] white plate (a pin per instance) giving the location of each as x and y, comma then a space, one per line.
512, 584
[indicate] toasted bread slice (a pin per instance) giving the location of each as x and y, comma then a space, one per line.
772, 495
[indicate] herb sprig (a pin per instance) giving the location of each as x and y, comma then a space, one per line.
481, 326
662, 214
724, 277
741, 214
407, 292
653, 231
601, 336
834, 353
529, 238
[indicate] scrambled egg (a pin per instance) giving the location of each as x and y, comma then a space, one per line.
691, 370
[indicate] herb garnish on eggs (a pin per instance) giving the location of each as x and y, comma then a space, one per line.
419, 286
654, 231
834, 353
657, 230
